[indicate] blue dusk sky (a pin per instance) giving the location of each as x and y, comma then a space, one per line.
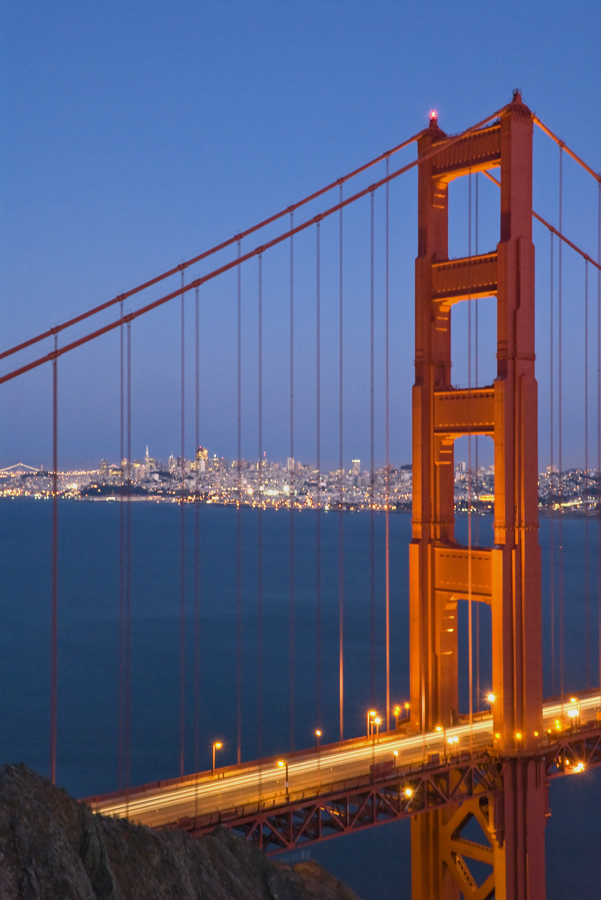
135, 135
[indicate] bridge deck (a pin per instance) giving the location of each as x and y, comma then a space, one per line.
414, 767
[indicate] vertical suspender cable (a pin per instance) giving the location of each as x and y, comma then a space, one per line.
372, 534
477, 442
239, 529
599, 426
387, 438
318, 463
560, 423
182, 596
128, 572
122, 562
552, 480
291, 491
197, 539
54, 626
587, 585
341, 469
260, 512
469, 476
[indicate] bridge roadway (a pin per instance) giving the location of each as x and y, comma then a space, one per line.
310, 773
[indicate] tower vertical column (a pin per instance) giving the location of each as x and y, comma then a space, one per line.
507, 575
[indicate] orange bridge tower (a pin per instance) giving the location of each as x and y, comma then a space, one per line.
444, 573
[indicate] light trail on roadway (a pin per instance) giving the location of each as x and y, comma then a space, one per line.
314, 772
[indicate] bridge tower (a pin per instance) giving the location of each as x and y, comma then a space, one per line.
506, 575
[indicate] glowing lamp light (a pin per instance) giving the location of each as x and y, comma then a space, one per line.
536, 734
497, 735
433, 115
407, 705
318, 733
579, 767
408, 792
518, 735
572, 712
396, 711
281, 763
490, 697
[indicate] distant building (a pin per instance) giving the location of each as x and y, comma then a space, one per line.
356, 466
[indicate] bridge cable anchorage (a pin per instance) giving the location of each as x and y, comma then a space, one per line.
221, 269
239, 597
341, 465
387, 440
372, 533
560, 428
197, 585
54, 611
318, 598
552, 479
211, 252
182, 547
291, 503
563, 146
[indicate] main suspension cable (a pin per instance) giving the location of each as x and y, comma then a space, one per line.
563, 146
211, 252
232, 263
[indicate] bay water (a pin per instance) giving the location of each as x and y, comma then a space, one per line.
293, 670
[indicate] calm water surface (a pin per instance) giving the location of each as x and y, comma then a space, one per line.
376, 863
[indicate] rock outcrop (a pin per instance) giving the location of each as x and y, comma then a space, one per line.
54, 848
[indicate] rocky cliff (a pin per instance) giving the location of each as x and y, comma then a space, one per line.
53, 848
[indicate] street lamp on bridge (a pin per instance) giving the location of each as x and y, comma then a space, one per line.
283, 764
217, 745
371, 714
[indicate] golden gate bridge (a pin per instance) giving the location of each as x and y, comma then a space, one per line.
440, 765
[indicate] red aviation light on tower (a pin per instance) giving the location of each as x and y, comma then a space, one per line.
433, 117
